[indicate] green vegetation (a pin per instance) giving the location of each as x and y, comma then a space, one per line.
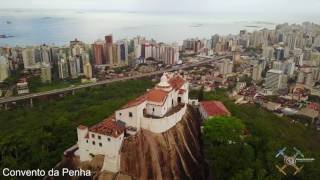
222, 130
254, 157
119, 69
272, 98
314, 98
254, 50
36, 85
14, 77
247, 80
36, 138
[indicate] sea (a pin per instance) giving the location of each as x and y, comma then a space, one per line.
58, 27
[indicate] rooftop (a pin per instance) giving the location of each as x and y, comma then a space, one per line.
215, 108
176, 82
108, 127
135, 102
275, 71
156, 95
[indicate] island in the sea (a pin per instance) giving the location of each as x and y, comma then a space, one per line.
6, 36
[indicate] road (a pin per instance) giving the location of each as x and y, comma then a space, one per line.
63, 90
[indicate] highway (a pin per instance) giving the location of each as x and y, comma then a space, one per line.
73, 88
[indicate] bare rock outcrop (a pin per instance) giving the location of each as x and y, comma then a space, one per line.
174, 154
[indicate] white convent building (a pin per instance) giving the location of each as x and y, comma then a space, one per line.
158, 110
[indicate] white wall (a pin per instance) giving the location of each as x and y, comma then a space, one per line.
137, 112
110, 148
162, 124
203, 113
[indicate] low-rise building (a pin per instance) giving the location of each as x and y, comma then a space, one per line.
271, 106
209, 109
308, 112
22, 86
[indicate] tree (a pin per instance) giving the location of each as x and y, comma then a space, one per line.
267, 133
223, 129
36, 138
200, 95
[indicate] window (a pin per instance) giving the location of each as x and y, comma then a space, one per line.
130, 114
99, 137
109, 139
93, 142
87, 141
100, 144
153, 109
120, 114
92, 135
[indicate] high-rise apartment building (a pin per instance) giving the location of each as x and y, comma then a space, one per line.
28, 56
4, 68
275, 80
87, 70
45, 54
99, 54
109, 49
63, 68
225, 66
257, 72
45, 73
73, 67
267, 52
279, 53
77, 47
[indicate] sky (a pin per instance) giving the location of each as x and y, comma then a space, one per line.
310, 7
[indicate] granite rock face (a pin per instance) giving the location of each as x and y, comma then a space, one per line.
174, 154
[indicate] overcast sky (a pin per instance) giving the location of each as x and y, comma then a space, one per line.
208, 6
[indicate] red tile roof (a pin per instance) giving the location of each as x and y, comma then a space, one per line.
108, 127
176, 82
135, 102
214, 108
181, 91
82, 127
157, 95
22, 80
314, 106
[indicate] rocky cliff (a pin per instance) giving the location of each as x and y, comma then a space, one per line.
175, 154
